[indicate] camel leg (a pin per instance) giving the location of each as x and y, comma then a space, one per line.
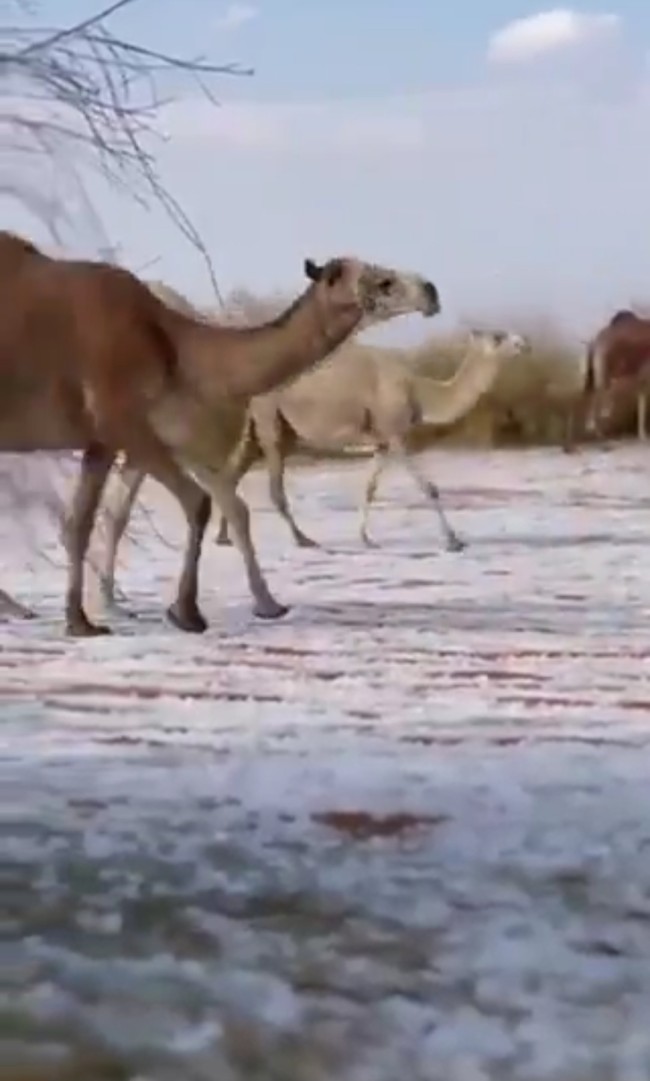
641, 416
244, 456
11, 607
145, 451
430, 491
118, 512
237, 516
275, 464
95, 467
568, 431
379, 462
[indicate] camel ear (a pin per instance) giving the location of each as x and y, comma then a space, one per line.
312, 270
333, 271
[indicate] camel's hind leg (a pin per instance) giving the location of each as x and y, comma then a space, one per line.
430, 491
237, 515
265, 440
95, 467
569, 421
117, 511
641, 416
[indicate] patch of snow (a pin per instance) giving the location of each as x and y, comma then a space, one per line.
401, 832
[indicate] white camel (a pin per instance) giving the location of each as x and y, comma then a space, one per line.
370, 397
360, 395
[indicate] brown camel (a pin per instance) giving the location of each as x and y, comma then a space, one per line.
91, 360
618, 363
360, 395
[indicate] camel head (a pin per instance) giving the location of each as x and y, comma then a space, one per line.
378, 293
624, 315
499, 345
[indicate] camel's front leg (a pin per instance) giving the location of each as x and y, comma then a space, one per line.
379, 462
95, 467
237, 515
278, 495
243, 457
452, 541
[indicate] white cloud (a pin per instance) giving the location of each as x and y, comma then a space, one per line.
547, 32
236, 15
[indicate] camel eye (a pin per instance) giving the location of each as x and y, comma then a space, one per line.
385, 285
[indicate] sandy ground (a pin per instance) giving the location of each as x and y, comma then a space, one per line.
402, 833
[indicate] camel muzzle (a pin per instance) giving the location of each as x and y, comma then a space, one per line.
431, 299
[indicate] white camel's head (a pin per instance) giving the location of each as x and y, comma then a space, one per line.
378, 293
499, 345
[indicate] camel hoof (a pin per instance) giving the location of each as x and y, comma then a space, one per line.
115, 608
11, 609
223, 539
120, 611
303, 541
81, 627
270, 609
455, 544
23, 613
186, 618
368, 542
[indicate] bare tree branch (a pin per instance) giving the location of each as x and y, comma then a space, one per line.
84, 96
75, 101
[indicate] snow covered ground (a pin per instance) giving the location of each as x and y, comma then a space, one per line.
402, 834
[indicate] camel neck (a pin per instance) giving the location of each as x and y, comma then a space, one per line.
253, 360
446, 401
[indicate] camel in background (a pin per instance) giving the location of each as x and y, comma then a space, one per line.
618, 362
358, 395
92, 360
373, 398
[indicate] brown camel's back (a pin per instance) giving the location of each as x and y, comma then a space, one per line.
14, 247
67, 326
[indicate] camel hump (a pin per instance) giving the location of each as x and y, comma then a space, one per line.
14, 247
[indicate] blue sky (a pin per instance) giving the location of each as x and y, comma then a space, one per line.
501, 147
